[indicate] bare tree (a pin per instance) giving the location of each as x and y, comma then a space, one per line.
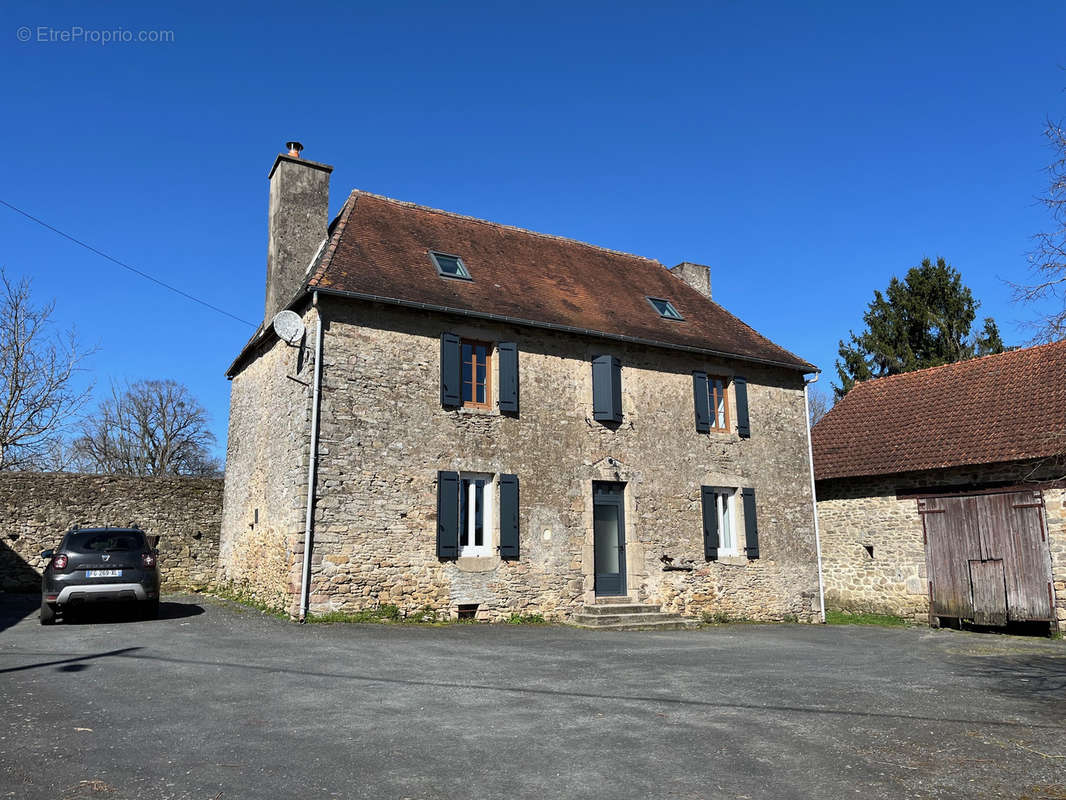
38, 398
1048, 258
818, 404
147, 428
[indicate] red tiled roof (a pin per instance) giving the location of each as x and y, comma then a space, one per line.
379, 248
1005, 407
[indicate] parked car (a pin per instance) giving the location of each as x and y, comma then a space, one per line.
100, 564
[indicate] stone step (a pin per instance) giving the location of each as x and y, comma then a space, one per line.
622, 608
606, 601
673, 624
599, 620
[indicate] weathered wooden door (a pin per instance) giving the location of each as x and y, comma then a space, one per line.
988, 557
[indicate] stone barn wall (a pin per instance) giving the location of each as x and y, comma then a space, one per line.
855, 514
37, 508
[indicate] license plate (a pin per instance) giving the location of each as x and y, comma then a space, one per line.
103, 573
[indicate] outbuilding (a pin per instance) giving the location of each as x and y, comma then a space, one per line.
940, 492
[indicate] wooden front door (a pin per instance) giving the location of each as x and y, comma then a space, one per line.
609, 538
988, 557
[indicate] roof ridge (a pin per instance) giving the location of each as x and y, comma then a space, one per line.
957, 364
505, 226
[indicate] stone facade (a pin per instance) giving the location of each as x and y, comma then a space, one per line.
266, 473
36, 509
384, 436
859, 513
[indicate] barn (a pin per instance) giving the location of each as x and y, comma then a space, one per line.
942, 493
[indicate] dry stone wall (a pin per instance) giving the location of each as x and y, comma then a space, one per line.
384, 436
36, 509
860, 515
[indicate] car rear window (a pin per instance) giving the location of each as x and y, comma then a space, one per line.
104, 541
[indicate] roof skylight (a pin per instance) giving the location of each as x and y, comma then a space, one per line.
449, 266
665, 308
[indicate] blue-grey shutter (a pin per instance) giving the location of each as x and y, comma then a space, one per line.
447, 515
740, 388
509, 516
606, 389
702, 401
451, 372
508, 393
751, 525
710, 523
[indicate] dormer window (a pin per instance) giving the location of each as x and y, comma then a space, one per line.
665, 308
449, 266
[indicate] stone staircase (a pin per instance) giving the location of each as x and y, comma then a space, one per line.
625, 614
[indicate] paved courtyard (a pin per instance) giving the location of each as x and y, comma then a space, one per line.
215, 701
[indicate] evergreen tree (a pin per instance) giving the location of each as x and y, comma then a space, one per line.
921, 321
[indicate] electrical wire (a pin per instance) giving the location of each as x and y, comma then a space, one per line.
124, 265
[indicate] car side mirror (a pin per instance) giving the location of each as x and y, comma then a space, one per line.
47, 554
153, 541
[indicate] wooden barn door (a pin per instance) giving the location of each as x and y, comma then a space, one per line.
987, 557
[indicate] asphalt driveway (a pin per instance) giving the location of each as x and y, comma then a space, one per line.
215, 701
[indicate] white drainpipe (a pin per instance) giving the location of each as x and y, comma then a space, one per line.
305, 584
814, 497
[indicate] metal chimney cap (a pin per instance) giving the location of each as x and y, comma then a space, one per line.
294, 148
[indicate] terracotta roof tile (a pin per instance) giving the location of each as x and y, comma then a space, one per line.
1005, 407
379, 247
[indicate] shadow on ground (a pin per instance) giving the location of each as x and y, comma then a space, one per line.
16, 607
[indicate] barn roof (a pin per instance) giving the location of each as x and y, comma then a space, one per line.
1005, 407
379, 249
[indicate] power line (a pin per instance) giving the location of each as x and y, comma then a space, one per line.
124, 265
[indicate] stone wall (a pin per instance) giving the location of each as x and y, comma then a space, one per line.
266, 472
384, 436
859, 513
36, 509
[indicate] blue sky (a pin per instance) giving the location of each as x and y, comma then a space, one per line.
807, 152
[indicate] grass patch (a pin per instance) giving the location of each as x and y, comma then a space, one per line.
381, 614
526, 619
246, 600
863, 618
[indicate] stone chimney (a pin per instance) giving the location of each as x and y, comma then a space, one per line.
695, 275
299, 216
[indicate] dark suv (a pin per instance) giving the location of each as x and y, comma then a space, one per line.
96, 564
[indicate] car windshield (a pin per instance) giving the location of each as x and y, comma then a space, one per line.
104, 541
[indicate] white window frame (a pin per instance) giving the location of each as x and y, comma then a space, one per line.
489, 493
726, 508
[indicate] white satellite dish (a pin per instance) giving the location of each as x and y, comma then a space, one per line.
288, 326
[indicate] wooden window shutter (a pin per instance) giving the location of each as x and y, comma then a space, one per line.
740, 388
702, 401
508, 391
451, 373
751, 525
447, 515
606, 389
710, 523
509, 516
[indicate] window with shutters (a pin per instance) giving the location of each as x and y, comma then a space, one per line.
476, 368
476, 493
725, 511
712, 408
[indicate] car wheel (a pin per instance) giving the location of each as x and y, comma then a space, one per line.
150, 609
48, 613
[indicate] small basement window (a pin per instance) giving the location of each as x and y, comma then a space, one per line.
449, 266
665, 308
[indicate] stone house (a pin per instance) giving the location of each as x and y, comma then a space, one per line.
941, 494
482, 420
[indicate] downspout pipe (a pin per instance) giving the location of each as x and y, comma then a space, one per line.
312, 463
814, 496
